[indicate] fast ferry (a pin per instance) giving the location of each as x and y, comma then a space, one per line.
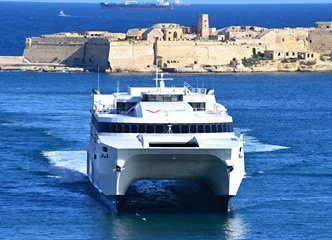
160, 4
163, 133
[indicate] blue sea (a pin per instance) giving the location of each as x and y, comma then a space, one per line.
44, 123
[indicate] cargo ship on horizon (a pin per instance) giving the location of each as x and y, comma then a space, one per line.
160, 4
180, 3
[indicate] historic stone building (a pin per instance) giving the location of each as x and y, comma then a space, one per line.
234, 33
324, 25
153, 34
203, 26
281, 55
320, 40
135, 33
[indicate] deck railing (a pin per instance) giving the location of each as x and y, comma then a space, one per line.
195, 90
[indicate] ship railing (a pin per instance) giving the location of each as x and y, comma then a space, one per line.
218, 109
103, 108
195, 90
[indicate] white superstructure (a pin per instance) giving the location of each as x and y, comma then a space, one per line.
163, 133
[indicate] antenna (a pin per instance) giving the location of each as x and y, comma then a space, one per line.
160, 79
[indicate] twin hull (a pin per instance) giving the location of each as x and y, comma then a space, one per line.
113, 170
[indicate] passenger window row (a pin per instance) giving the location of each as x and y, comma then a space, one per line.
163, 128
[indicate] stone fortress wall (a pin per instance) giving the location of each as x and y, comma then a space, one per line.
169, 45
131, 56
76, 51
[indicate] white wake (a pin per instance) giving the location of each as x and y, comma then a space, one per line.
75, 161
252, 145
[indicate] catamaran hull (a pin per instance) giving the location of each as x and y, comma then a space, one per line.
113, 170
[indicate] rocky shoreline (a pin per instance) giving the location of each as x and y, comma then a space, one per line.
239, 68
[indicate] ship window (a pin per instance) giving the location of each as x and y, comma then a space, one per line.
224, 129
168, 98
120, 106
125, 106
141, 128
174, 98
119, 128
112, 128
162, 128
184, 129
193, 128
176, 128
159, 98
159, 129
134, 128
197, 106
162, 98
126, 128
207, 128
200, 128
150, 129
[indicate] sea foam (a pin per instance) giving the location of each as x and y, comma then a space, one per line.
252, 144
70, 165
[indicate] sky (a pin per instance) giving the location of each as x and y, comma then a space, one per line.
192, 1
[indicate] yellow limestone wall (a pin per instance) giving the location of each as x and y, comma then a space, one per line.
139, 56
203, 53
131, 56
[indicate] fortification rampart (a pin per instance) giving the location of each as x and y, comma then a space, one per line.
190, 53
83, 52
131, 56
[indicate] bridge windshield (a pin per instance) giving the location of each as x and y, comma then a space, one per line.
162, 98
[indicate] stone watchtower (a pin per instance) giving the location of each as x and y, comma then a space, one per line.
203, 26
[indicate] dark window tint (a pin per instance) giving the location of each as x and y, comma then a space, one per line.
150, 129
200, 128
207, 128
185, 129
162, 128
214, 128
141, 128
198, 106
134, 128
126, 128
193, 128
119, 128
159, 129
176, 128
113, 127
